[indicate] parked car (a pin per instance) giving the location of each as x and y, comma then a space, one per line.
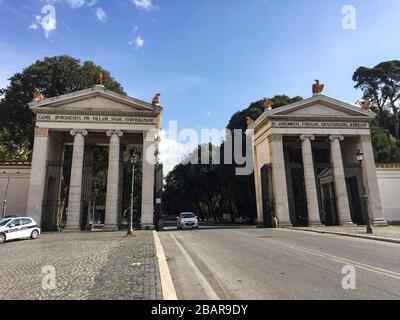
187, 220
11, 216
18, 228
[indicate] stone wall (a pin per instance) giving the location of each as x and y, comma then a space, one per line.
18, 175
389, 186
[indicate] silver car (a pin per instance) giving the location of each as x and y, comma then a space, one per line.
187, 220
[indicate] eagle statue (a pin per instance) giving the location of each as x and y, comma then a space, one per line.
157, 99
366, 105
317, 88
267, 104
100, 79
38, 95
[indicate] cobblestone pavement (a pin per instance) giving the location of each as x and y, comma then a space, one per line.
87, 266
385, 232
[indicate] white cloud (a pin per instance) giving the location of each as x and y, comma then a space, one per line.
76, 3
101, 14
92, 3
138, 42
146, 5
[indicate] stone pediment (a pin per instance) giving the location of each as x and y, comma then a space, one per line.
96, 99
317, 108
321, 106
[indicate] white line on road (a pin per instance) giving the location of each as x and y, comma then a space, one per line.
212, 295
387, 273
167, 285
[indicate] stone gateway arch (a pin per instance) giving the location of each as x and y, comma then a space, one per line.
83, 121
306, 168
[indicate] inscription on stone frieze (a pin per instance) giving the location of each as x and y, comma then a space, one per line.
98, 119
319, 124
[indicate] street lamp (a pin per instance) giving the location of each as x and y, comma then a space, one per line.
360, 158
133, 163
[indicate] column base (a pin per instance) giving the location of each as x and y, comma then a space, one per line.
347, 224
147, 226
72, 229
380, 222
315, 224
110, 227
285, 225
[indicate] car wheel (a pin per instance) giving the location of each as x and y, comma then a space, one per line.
2, 238
34, 234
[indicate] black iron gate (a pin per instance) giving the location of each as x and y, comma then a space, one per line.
355, 192
298, 200
56, 195
267, 195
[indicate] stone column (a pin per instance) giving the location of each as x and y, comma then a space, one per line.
111, 218
342, 201
371, 182
148, 181
279, 180
75, 186
37, 182
309, 179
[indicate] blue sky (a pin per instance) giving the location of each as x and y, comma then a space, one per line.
208, 58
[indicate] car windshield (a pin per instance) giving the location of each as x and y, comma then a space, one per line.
188, 216
3, 222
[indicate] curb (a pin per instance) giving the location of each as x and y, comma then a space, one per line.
360, 236
167, 285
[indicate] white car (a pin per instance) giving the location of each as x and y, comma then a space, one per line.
18, 228
187, 220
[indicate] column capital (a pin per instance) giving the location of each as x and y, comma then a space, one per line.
307, 137
74, 132
275, 137
41, 132
336, 137
110, 133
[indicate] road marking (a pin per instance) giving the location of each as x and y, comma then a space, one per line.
212, 295
167, 284
385, 272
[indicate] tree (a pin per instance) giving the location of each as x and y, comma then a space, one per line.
386, 147
53, 76
212, 190
381, 85
238, 120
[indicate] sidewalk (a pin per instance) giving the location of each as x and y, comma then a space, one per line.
388, 234
86, 266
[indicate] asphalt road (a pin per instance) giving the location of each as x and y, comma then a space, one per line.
248, 263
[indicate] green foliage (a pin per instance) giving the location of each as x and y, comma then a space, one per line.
212, 190
381, 85
386, 147
54, 76
195, 187
238, 120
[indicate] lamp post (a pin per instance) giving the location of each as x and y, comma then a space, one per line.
133, 163
360, 158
